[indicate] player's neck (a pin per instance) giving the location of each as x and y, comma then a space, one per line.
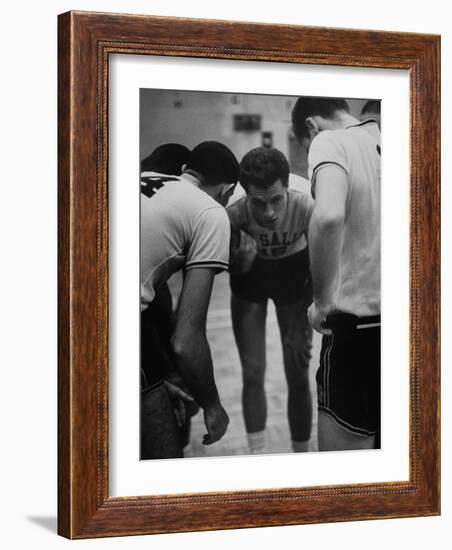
343, 120
191, 178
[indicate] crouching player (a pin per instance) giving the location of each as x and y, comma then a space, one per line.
270, 260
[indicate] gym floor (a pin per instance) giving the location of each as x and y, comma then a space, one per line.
229, 382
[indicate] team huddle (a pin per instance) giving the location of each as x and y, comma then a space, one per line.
311, 246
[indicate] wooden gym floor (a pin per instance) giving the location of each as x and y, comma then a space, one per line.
229, 381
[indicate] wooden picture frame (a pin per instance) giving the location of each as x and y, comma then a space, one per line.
86, 40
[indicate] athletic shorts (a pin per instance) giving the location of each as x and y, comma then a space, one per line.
156, 356
160, 436
285, 281
348, 379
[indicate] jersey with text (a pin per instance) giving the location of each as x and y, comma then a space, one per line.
288, 238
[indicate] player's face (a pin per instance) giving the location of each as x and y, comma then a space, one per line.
268, 206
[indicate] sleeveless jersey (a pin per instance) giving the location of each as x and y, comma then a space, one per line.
286, 239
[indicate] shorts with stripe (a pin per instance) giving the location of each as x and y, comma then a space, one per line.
348, 379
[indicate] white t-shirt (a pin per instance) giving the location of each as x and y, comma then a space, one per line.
290, 236
181, 227
356, 150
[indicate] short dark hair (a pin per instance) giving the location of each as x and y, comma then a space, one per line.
372, 106
166, 159
263, 166
214, 162
305, 107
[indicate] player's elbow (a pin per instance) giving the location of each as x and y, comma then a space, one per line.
327, 221
184, 347
181, 348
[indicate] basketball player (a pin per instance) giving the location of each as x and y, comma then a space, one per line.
183, 225
344, 244
163, 165
269, 260
158, 168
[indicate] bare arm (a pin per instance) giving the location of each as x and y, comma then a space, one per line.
325, 239
243, 248
193, 352
243, 252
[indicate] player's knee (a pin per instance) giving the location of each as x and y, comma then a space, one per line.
296, 348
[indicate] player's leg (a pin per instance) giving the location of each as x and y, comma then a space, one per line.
248, 323
160, 435
332, 437
159, 432
296, 338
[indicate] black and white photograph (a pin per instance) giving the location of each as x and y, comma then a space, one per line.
259, 274
113, 105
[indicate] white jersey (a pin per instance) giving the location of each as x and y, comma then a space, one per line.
290, 236
181, 226
356, 150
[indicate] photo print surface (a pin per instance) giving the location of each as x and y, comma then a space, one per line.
259, 274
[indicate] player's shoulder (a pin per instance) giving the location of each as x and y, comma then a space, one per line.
330, 145
299, 201
237, 205
212, 220
329, 137
367, 132
237, 210
299, 183
183, 198
207, 207
153, 182
192, 197
238, 193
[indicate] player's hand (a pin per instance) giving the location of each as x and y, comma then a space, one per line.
245, 253
317, 316
216, 421
179, 399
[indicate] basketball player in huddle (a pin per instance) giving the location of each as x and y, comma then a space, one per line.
270, 261
183, 226
344, 241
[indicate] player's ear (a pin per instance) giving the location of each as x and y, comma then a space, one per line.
183, 167
311, 124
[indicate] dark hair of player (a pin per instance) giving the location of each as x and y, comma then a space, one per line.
214, 163
371, 107
166, 159
305, 107
262, 166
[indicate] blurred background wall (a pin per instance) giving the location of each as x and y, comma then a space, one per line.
240, 121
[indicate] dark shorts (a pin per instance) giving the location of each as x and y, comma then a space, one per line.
285, 281
160, 436
156, 354
348, 379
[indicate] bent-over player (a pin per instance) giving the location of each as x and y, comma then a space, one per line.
183, 225
270, 260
